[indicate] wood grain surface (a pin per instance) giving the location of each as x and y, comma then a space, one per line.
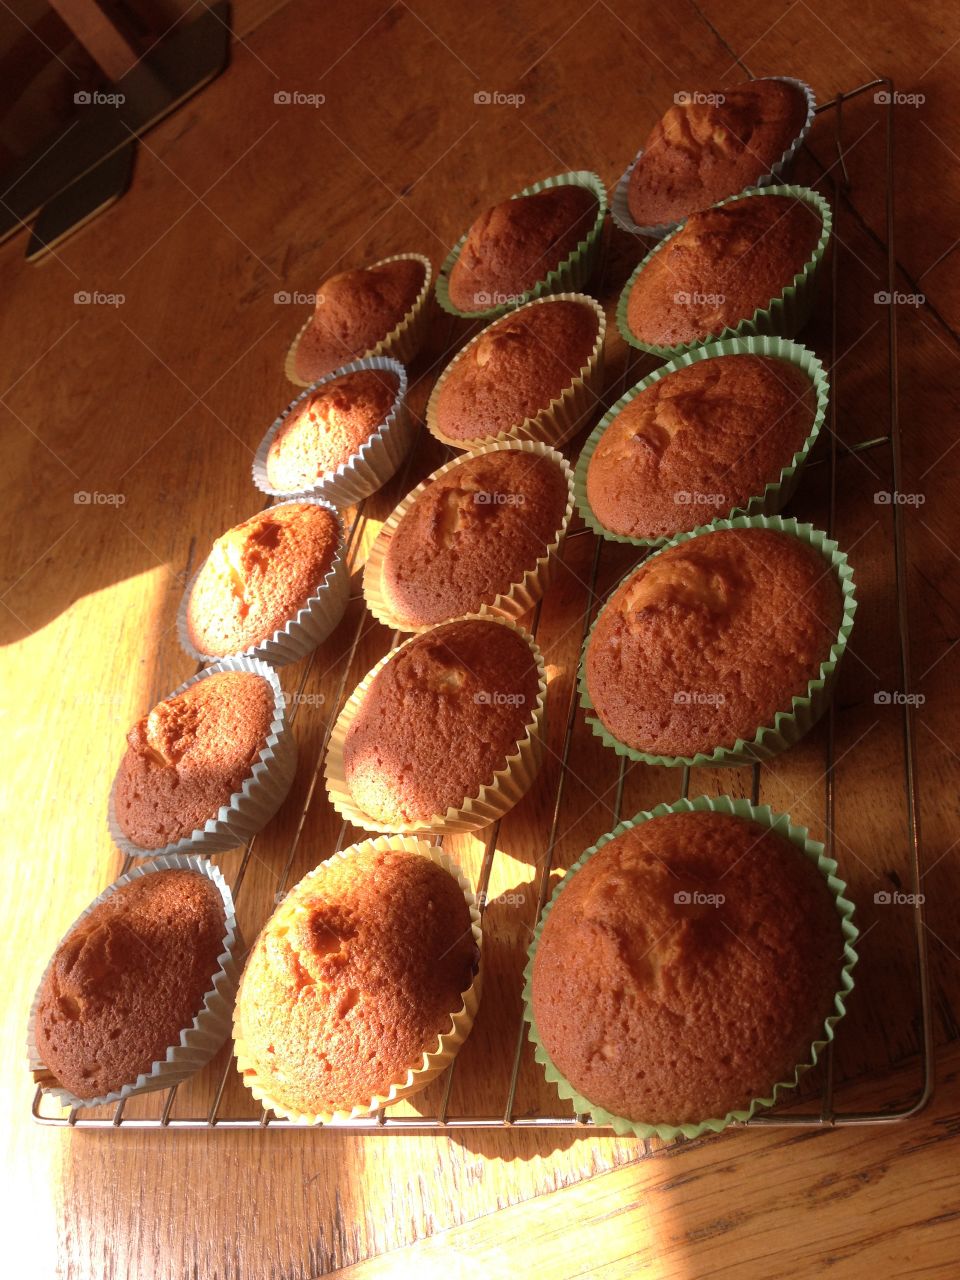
161, 399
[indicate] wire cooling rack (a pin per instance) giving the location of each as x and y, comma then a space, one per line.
443, 1117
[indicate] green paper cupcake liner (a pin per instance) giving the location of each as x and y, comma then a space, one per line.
788, 726
570, 276
777, 493
783, 316
812, 849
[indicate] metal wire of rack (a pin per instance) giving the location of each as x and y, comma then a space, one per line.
827, 1115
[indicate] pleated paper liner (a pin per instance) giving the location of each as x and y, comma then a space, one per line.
433, 1062
517, 598
777, 493
782, 317
200, 1040
493, 799
563, 416
311, 624
788, 726
781, 824
402, 343
569, 276
261, 795
619, 202
374, 463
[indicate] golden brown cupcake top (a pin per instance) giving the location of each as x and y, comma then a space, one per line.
720, 267
329, 427
712, 145
188, 756
516, 368
355, 976
127, 979
699, 442
686, 968
514, 245
709, 639
439, 720
472, 533
259, 575
355, 311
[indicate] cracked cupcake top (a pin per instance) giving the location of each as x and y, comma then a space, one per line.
355, 976
709, 639
189, 755
712, 145
720, 267
329, 427
699, 442
127, 979
516, 368
467, 690
258, 576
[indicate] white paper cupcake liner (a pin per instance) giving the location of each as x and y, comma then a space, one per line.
301, 634
375, 461
517, 598
264, 789
619, 204
557, 421
431, 1064
403, 342
200, 1041
493, 799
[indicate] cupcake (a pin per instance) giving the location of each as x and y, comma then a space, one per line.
260, 580
360, 313
711, 145
470, 535
721, 267
447, 728
514, 245
328, 428
507, 379
699, 441
130, 987
715, 948
188, 757
710, 639
357, 981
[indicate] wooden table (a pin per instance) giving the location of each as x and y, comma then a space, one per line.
162, 397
